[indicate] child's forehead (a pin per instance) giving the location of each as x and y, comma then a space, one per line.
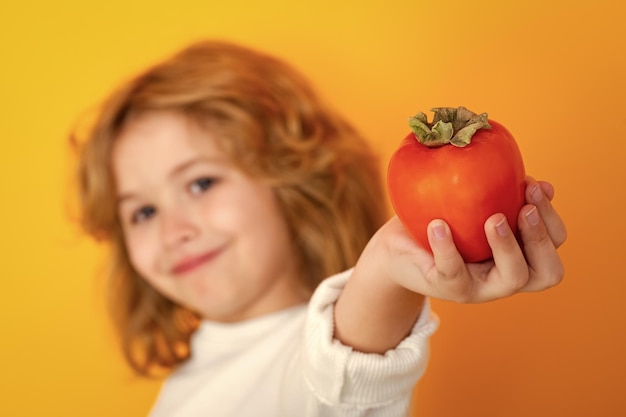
160, 142
167, 129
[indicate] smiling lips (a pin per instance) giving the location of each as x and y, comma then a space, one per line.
193, 262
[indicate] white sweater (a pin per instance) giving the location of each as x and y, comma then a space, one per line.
287, 364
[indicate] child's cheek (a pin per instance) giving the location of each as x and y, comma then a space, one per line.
142, 252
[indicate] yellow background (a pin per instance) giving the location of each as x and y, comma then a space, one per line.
552, 71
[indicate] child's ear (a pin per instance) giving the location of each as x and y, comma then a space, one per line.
101, 235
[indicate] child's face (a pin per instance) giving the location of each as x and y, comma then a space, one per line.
196, 228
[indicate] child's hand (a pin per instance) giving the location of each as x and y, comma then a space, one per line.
384, 295
530, 265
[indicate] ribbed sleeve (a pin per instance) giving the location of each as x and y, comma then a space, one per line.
344, 382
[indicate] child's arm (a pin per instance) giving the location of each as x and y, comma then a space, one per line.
383, 298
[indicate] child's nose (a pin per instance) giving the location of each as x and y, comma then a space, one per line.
177, 228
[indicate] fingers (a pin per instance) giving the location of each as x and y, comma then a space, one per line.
548, 188
544, 263
531, 264
449, 275
507, 274
511, 272
540, 194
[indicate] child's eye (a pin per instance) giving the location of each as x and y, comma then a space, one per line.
201, 185
142, 214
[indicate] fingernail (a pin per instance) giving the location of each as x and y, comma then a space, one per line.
502, 227
532, 216
439, 230
536, 194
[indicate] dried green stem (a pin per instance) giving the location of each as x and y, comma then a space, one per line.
455, 126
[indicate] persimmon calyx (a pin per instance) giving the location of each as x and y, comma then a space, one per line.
450, 125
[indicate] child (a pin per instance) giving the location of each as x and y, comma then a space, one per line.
227, 192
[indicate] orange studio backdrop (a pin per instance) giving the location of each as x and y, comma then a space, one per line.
551, 71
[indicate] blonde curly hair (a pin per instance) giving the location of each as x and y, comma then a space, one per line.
273, 126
